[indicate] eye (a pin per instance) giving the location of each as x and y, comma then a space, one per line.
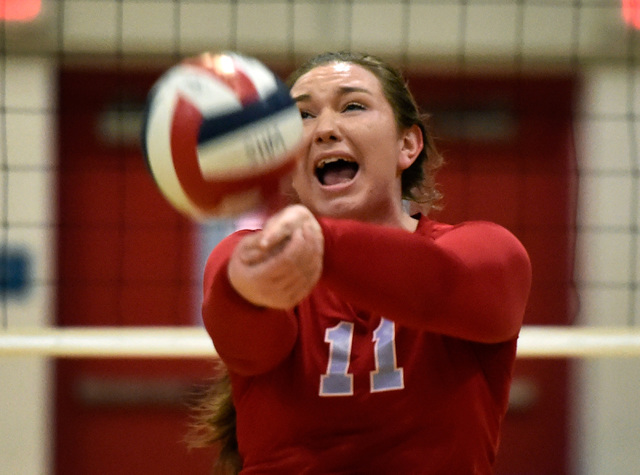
354, 106
305, 114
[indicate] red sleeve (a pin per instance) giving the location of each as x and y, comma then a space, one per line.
249, 339
471, 281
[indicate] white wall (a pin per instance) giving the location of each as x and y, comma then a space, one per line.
608, 269
474, 34
29, 148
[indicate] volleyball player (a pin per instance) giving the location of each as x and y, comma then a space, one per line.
359, 338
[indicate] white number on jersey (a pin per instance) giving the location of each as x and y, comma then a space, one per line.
337, 381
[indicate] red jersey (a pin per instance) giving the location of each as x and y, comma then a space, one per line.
399, 361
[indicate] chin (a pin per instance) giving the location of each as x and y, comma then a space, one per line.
335, 205
341, 209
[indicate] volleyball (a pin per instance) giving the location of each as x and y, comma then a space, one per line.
219, 134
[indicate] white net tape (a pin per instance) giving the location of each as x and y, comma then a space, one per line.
193, 342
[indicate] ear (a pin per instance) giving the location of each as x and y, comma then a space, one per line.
411, 145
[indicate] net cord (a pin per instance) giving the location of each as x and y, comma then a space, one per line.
193, 342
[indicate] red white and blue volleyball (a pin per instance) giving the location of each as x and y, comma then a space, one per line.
219, 134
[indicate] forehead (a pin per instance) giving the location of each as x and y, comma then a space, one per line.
335, 76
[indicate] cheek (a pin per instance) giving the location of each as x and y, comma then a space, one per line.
298, 178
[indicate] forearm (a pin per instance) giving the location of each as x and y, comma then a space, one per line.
470, 283
250, 339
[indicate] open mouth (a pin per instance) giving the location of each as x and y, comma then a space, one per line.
336, 170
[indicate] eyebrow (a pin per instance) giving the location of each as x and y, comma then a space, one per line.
343, 91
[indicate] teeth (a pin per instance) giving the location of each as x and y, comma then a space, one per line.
325, 161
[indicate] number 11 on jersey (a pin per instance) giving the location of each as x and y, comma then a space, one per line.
337, 381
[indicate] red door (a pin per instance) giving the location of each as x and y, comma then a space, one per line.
510, 158
124, 258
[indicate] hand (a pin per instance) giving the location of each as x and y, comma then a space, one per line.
278, 266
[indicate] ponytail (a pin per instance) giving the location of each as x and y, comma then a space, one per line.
214, 423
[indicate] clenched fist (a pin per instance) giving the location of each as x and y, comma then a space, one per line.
278, 266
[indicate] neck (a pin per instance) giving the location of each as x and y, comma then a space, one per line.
396, 217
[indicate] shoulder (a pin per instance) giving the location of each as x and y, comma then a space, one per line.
481, 236
437, 229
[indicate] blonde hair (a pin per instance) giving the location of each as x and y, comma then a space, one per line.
214, 423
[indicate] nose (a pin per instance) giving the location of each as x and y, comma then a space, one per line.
326, 128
